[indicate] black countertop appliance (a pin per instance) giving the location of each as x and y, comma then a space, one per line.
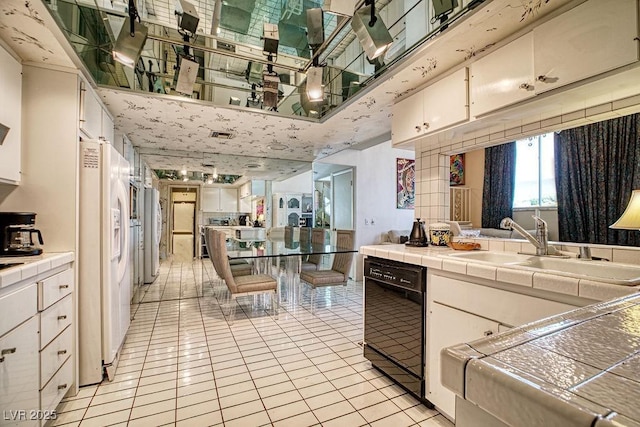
242, 219
18, 235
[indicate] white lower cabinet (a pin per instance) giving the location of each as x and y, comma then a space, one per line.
451, 326
462, 311
36, 347
19, 388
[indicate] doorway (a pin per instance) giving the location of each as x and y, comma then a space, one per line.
183, 223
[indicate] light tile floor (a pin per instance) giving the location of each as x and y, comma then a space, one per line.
183, 364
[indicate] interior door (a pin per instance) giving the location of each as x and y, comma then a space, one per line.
183, 230
342, 200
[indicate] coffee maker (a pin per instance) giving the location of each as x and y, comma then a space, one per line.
242, 219
17, 231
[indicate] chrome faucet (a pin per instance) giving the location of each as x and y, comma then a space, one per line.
540, 241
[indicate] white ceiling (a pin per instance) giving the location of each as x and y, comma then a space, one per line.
172, 132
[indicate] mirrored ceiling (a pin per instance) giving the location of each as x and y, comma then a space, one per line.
227, 46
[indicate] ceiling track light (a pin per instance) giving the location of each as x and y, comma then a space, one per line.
271, 37
372, 33
131, 39
187, 15
314, 89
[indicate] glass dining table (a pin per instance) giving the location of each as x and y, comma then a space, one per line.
269, 255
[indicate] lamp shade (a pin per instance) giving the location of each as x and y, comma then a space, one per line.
630, 219
375, 40
128, 48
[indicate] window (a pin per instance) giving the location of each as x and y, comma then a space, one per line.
535, 184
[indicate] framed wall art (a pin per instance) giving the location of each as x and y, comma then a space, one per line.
405, 183
456, 174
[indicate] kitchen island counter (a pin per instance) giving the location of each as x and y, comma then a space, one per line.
579, 368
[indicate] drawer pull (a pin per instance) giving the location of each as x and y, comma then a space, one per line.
62, 386
61, 352
64, 316
64, 286
488, 333
1, 359
8, 351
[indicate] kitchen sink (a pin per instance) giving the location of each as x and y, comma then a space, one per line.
493, 257
622, 274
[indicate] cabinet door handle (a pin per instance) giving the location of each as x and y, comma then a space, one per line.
64, 316
61, 352
488, 333
64, 286
8, 351
418, 128
426, 125
526, 86
62, 386
1, 359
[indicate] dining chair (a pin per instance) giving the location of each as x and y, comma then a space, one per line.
313, 262
339, 272
239, 267
238, 286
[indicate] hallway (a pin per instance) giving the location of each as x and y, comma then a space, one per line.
183, 364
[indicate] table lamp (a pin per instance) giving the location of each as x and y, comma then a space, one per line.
630, 219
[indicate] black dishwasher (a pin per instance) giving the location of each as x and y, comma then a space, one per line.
394, 322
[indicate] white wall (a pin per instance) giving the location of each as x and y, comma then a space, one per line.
302, 183
375, 192
49, 156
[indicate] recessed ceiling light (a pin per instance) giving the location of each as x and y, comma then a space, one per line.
277, 146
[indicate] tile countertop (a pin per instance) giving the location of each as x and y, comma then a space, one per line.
31, 266
434, 257
576, 369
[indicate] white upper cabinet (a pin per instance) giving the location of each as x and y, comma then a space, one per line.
217, 199
503, 77
90, 112
592, 38
10, 117
407, 120
446, 102
252, 188
107, 127
443, 104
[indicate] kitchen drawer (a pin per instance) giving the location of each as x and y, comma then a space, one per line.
55, 390
54, 288
54, 319
54, 355
17, 306
19, 382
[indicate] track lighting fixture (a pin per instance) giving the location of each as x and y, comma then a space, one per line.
131, 39
314, 89
271, 39
315, 28
340, 7
187, 14
370, 30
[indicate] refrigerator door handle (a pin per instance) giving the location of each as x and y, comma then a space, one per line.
123, 200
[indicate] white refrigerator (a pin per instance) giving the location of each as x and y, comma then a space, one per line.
104, 282
152, 234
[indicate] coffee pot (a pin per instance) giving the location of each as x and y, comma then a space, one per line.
418, 236
18, 235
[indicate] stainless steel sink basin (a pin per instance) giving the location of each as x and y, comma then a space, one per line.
492, 257
622, 274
